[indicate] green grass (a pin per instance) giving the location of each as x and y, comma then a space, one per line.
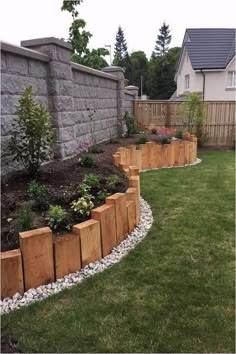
173, 293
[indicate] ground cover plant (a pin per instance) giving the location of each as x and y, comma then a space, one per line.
173, 293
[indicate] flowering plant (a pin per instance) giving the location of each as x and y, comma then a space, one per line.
83, 205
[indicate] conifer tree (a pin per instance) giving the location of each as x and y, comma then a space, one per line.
121, 50
162, 42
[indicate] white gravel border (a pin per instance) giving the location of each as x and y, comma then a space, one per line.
44, 291
161, 168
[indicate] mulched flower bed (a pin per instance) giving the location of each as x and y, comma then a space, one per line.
62, 180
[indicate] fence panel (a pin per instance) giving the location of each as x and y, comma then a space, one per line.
220, 123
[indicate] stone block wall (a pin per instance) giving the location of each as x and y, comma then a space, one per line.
85, 104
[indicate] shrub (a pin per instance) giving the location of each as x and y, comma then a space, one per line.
165, 140
142, 140
179, 134
91, 180
154, 131
32, 136
87, 161
111, 182
84, 189
25, 220
114, 141
38, 192
95, 149
57, 216
194, 112
83, 205
103, 194
130, 123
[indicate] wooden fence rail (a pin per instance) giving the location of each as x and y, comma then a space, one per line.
219, 127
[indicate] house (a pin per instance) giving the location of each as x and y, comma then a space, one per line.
207, 64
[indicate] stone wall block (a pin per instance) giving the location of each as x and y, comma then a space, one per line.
17, 64
60, 71
38, 69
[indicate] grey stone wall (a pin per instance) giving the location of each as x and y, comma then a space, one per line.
85, 104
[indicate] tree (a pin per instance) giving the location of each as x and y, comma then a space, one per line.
79, 39
139, 63
161, 72
121, 50
162, 42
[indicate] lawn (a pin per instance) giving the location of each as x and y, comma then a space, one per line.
173, 293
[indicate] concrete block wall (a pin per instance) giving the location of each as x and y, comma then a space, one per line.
85, 104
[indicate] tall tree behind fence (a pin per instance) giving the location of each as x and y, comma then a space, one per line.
220, 123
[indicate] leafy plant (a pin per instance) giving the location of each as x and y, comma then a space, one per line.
88, 161
114, 141
25, 220
57, 216
165, 140
111, 182
91, 180
38, 192
95, 149
142, 140
179, 134
83, 205
84, 189
130, 123
103, 194
32, 136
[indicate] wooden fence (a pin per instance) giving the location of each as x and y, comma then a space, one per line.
219, 127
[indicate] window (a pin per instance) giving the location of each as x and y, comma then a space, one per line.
186, 82
231, 79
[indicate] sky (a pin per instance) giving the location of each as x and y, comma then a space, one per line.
139, 19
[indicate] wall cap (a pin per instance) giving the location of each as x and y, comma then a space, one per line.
29, 53
91, 71
44, 41
113, 69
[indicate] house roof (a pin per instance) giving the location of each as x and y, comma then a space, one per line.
209, 48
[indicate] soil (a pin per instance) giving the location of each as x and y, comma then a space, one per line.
59, 177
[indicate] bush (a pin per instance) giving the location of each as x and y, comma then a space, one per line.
103, 194
83, 205
111, 182
87, 161
57, 216
95, 149
91, 180
165, 140
130, 123
154, 131
25, 220
179, 134
32, 137
38, 192
84, 189
114, 141
142, 140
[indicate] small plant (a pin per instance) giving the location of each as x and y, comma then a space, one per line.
103, 194
25, 220
111, 182
38, 192
84, 189
179, 134
154, 131
83, 205
57, 216
95, 149
32, 136
87, 161
142, 140
91, 180
130, 123
165, 140
114, 141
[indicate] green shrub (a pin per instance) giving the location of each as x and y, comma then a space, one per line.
83, 205
25, 220
95, 149
142, 140
179, 134
38, 193
32, 136
114, 141
103, 194
130, 123
111, 182
84, 189
165, 140
57, 216
91, 180
88, 161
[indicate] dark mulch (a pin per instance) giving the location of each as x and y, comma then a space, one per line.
58, 176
